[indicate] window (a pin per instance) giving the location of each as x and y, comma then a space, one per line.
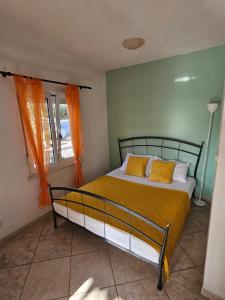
60, 153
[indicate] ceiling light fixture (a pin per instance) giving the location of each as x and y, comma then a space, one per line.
133, 43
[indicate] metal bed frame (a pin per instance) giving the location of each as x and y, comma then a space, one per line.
130, 144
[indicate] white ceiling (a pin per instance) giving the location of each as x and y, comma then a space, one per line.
92, 31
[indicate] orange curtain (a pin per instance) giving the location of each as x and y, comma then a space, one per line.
73, 104
34, 116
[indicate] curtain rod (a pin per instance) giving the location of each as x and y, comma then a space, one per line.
5, 74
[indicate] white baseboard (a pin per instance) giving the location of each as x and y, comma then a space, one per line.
210, 295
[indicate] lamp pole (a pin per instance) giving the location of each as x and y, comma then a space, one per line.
212, 107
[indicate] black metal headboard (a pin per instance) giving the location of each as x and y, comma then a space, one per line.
165, 147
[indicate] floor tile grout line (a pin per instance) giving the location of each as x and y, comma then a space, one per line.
187, 254
50, 259
58, 298
136, 280
39, 240
16, 238
59, 257
59, 230
2, 245
33, 236
14, 266
35, 260
31, 262
194, 267
187, 268
108, 251
100, 249
143, 279
164, 288
55, 258
71, 249
55, 232
194, 232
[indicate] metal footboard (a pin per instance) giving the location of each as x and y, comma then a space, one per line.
163, 230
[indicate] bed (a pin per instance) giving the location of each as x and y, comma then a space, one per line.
142, 217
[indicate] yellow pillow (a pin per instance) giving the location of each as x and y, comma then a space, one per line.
136, 166
162, 171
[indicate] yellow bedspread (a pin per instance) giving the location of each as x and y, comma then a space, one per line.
160, 205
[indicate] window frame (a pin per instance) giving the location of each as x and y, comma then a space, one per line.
56, 98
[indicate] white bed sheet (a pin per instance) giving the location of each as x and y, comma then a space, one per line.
187, 187
118, 237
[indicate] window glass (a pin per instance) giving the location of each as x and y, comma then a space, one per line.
65, 136
47, 137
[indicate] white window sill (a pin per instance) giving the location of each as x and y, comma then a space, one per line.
53, 168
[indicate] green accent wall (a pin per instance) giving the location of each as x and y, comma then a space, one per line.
168, 97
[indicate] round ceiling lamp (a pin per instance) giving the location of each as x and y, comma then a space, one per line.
133, 43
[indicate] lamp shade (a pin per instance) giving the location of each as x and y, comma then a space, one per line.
212, 107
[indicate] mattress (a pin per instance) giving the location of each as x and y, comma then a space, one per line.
115, 235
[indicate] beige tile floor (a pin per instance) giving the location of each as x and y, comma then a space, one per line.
71, 263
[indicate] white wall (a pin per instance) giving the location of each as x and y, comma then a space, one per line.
18, 193
214, 277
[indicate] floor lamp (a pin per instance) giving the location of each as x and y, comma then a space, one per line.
212, 107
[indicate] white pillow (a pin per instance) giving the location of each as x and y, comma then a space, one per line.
124, 165
180, 171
